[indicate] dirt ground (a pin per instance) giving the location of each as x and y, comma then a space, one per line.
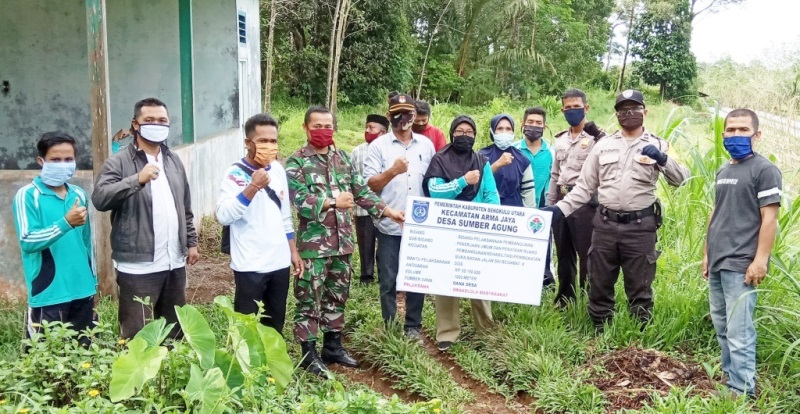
629, 377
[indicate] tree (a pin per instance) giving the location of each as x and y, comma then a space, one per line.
662, 40
698, 7
276, 8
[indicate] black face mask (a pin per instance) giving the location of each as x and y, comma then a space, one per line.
463, 144
533, 133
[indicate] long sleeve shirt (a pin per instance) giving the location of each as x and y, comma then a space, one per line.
314, 178
439, 188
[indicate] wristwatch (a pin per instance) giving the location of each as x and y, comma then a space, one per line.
332, 202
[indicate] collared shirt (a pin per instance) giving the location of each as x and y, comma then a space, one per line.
570, 154
166, 241
313, 178
541, 162
381, 156
624, 179
359, 157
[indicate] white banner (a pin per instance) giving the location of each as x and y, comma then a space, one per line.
472, 250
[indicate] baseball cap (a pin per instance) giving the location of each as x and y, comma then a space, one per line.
401, 103
631, 95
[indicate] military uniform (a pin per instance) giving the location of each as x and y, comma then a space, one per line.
324, 238
572, 235
625, 225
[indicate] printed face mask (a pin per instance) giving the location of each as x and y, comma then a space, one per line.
740, 147
404, 121
55, 174
154, 132
503, 140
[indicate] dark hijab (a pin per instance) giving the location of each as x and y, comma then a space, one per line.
450, 164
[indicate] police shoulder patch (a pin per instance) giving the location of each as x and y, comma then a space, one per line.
562, 133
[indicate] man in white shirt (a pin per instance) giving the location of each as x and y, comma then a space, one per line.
152, 226
254, 202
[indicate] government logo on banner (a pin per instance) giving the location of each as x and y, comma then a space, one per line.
536, 223
419, 211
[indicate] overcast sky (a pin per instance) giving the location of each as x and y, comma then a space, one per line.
763, 30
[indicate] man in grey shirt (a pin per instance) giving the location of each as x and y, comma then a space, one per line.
741, 233
394, 168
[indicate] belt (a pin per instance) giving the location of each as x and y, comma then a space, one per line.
565, 189
627, 216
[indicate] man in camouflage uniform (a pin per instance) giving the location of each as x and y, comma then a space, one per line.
324, 187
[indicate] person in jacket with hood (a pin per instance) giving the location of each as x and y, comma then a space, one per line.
152, 226
511, 168
457, 172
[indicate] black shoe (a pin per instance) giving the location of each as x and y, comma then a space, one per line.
334, 353
367, 280
311, 361
444, 345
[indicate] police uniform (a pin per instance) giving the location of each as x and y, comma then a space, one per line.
627, 218
572, 235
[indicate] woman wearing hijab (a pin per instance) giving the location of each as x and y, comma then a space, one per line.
459, 173
512, 169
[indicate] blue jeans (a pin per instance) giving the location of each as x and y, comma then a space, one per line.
733, 305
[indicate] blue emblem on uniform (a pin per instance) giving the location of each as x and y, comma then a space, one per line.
419, 211
536, 223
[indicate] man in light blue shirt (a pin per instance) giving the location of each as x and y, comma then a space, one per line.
394, 168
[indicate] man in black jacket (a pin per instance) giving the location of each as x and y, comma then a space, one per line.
152, 229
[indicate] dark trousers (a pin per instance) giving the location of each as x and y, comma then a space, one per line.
388, 264
548, 279
365, 235
573, 237
165, 289
79, 313
631, 247
270, 289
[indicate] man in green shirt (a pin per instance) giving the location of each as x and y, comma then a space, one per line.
55, 238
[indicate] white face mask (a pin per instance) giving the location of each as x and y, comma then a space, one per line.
154, 132
503, 141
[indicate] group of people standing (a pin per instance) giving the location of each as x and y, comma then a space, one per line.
599, 188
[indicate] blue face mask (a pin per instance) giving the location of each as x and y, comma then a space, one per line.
503, 141
575, 116
740, 147
55, 174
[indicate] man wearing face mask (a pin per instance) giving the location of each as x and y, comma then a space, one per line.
511, 168
422, 126
254, 202
395, 165
152, 226
56, 240
573, 235
459, 173
376, 126
741, 232
324, 187
623, 169
538, 153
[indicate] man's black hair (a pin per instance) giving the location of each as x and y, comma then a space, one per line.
318, 109
258, 120
137, 108
743, 112
53, 138
535, 111
574, 93
423, 108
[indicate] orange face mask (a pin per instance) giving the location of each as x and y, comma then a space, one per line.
265, 153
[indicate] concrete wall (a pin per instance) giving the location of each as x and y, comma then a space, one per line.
47, 72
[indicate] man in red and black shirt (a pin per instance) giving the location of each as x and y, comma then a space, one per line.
422, 127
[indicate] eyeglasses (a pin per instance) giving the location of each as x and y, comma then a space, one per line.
629, 111
467, 132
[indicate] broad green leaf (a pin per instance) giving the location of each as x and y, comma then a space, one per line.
256, 356
135, 367
208, 390
278, 361
155, 332
198, 334
231, 370
223, 302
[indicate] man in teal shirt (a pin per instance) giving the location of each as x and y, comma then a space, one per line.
55, 238
538, 152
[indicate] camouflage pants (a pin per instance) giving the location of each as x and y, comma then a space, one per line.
321, 296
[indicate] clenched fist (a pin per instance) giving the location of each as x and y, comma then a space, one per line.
345, 200
400, 166
148, 173
504, 159
260, 178
76, 216
472, 177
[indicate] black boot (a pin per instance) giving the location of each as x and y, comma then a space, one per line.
334, 353
311, 361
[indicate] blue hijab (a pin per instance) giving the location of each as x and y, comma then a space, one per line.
508, 178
